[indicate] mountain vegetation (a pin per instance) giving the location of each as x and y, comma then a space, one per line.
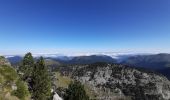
22, 90
26, 67
41, 81
11, 87
34, 79
76, 91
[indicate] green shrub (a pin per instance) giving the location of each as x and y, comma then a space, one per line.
8, 73
22, 90
76, 91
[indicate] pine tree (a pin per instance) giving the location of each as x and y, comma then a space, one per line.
76, 91
41, 81
26, 67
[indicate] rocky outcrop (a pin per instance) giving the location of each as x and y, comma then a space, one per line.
4, 61
57, 97
110, 81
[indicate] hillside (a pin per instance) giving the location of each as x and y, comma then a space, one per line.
10, 83
112, 81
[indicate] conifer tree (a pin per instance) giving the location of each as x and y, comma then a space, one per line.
41, 81
26, 67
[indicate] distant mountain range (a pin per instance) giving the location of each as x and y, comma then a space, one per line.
87, 59
14, 60
150, 61
70, 60
156, 62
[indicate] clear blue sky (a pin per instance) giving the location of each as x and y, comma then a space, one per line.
84, 25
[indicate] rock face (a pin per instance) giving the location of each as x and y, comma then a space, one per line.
110, 81
57, 97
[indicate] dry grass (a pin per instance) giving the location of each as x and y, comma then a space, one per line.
62, 81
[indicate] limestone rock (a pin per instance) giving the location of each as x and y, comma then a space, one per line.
57, 97
110, 80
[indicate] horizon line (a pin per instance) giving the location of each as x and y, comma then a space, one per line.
86, 53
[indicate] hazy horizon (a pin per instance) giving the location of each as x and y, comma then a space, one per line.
70, 54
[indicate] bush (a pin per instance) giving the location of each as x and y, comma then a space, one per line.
76, 91
8, 73
22, 90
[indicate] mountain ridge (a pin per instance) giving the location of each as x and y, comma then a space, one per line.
117, 81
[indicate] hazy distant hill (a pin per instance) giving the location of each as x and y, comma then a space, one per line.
91, 59
158, 61
14, 59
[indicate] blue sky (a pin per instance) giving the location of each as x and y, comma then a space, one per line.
52, 26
